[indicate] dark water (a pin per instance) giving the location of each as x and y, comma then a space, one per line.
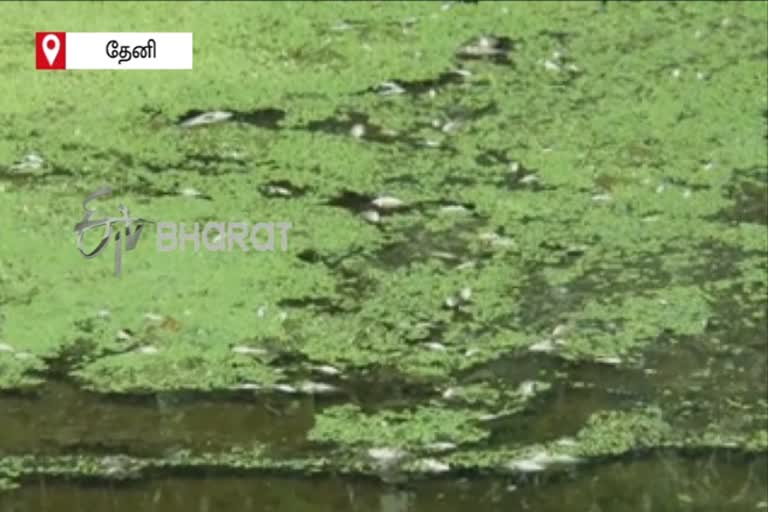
664, 482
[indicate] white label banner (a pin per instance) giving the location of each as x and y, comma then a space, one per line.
129, 50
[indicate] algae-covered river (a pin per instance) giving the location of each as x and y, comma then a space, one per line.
525, 269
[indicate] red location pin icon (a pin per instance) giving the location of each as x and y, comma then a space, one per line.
50, 52
51, 47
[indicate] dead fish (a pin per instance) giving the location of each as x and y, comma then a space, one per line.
444, 255
386, 455
454, 208
327, 370
526, 466
433, 466
274, 190
462, 298
527, 388
371, 216
435, 346
387, 203
316, 388
149, 349
241, 349
451, 393
483, 46
30, 162
249, 386
285, 388
357, 131
5, 348
443, 446
542, 346
216, 116
389, 89
611, 360
190, 192
123, 334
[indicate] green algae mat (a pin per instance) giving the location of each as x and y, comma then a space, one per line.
526, 263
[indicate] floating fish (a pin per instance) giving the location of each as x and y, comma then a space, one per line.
216, 116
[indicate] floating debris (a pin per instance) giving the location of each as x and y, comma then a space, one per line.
387, 203
465, 294
152, 317
23, 355
216, 116
124, 335
6, 348
149, 349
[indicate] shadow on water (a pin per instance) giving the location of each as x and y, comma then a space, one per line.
661, 482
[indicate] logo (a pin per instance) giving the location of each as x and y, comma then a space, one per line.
50, 50
87, 224
173, 236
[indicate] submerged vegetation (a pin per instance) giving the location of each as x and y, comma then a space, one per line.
526, 237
